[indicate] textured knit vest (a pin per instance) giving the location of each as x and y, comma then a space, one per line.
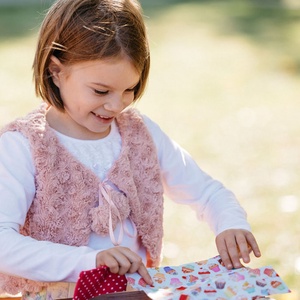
68, 206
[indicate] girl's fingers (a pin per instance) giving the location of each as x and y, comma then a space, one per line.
253, 244
124, 258
233, 251
121, 260
236, 244
144, 273
138, 266
223, 251
106, 258
243, 247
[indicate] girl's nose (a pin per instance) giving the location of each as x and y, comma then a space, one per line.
115, 104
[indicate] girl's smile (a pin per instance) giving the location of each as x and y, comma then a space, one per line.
93, 93
103, 118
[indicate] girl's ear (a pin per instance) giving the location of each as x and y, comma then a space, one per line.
55, 69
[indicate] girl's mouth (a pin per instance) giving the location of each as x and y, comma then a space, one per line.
104, 118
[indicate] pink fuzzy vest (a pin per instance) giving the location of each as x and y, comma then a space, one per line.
66, 205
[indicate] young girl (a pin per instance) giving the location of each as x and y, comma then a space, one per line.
82, 177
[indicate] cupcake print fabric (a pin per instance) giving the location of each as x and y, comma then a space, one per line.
209, 279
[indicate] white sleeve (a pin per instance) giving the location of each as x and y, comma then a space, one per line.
24, 256
184, 182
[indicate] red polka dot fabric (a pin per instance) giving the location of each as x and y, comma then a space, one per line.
96, 282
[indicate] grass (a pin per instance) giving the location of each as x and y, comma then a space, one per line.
224, 84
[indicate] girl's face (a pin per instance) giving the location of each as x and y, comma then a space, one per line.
93, 93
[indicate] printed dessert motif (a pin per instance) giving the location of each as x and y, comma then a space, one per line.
266, 292
278, 285
159, 277
142, 282
175, 282
169, 270
210, 291
230, 292
196, 291
209, 279
254, 272
270, 272
261, 282
214, 267
249, 288
190, 279
188, 268
131, 281
204, 274
220, 284
236, 276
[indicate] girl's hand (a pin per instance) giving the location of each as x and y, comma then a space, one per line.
121, 260
236, 244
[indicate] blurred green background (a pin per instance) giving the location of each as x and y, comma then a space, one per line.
225, 84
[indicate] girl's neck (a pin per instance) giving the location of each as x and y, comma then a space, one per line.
62, 123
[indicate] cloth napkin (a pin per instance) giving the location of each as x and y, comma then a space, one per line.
97, 282
209, 279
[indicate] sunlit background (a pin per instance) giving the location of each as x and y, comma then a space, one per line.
225, 84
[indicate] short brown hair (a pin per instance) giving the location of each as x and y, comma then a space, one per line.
83, 30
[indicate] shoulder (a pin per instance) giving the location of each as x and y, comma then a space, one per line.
152, 126
15, 152
13, 140
133, 115
10, 137
33, 121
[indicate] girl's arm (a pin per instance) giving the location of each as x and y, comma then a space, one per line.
24, 256
185, 183
42, 260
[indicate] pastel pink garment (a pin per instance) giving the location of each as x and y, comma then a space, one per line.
68, 206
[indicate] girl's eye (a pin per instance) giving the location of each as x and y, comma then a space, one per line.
102, 93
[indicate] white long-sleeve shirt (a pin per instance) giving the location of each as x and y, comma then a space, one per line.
184, 182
